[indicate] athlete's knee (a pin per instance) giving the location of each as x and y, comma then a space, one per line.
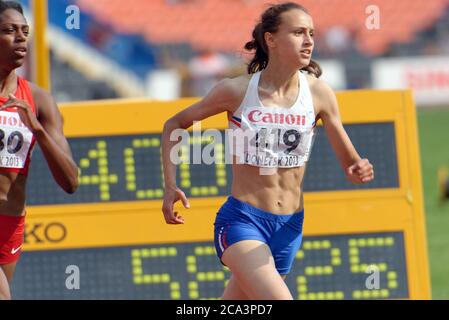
5, 294
233, 291
280, 295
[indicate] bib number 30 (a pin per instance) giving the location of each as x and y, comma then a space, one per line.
13, 142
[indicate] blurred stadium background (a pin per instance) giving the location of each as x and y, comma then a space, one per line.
167, 49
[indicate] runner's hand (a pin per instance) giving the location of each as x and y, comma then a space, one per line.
360, 172
172, 196
24, 110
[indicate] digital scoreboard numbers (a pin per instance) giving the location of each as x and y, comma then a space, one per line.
361, 242
129, 168
334, 267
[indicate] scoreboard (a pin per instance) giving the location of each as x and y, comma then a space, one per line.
114, 232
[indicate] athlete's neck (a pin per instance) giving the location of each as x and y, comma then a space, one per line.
279, 78
8, 82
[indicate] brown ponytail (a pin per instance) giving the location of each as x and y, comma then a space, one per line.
260, 59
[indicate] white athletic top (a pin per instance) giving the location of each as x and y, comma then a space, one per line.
273, 137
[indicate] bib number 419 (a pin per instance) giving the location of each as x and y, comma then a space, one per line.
289, 139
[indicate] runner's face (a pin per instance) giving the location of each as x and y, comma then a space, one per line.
293, 41
14, 32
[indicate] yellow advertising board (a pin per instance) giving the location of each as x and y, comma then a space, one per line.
114, 221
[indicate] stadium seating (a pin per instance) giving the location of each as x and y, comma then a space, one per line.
227, 25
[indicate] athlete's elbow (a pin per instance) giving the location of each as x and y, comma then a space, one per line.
72, 189
171, 124
71, 185
178, 121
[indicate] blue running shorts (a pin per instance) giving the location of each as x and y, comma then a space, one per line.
237, 220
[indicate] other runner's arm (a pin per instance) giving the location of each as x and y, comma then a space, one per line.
49, 134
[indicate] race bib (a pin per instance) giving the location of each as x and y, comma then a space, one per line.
15, 140
273, 137
275, 147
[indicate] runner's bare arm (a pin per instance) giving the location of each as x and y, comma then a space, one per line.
225, 96
357, 170
53, 143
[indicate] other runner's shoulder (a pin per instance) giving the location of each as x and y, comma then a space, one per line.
40, 95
